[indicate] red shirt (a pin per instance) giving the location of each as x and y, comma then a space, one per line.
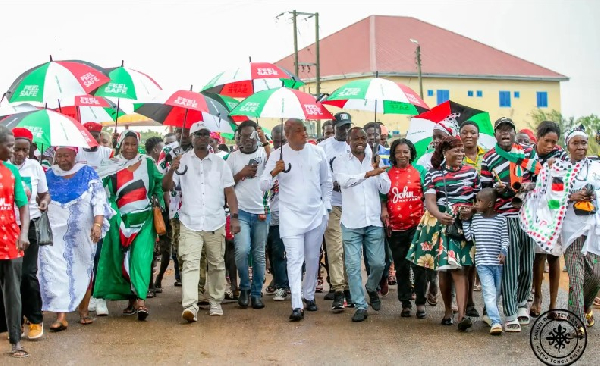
11, 193
405, 199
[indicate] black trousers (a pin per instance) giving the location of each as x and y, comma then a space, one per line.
399, 245
10, 295
30, 286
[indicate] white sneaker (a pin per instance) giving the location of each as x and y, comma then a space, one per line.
215, 309
101, 309
280, 295
190, 314
92, 304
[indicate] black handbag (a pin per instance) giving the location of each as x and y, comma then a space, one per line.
43, 231
455, 230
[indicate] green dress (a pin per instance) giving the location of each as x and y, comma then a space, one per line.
124, 269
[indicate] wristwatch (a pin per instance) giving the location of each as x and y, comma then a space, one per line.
234, 216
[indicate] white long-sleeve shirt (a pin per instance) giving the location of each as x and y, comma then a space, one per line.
304, 192
361, 205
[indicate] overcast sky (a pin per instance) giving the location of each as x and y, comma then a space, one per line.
188, 42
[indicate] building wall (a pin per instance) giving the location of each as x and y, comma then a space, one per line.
458, 89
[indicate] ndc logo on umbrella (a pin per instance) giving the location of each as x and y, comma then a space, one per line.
558, 337
89, 79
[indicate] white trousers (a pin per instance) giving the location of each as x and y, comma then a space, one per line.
304, 249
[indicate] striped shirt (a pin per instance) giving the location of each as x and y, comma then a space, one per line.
461, 184
490, 235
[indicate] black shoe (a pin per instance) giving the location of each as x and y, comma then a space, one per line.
421, 314
360, 315
465, 324
243, 299
405, 313
257, 303
177, 283
330, 295
338, 302
374, 300
447, 321
311, 305
348, 296
297, 315
471, 311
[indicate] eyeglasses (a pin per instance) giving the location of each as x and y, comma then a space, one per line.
202, 133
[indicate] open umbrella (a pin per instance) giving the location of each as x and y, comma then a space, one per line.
281, 103
6, 109
88, 108
251, 78
126, 83
55, 80
377, 95
51, 128
183, 108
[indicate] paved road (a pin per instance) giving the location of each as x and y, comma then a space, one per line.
265, 337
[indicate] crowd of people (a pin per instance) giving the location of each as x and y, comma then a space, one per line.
457, 220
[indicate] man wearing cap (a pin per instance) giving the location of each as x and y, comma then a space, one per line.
205, 185
334, 146
247, 165
305, 198
34, 180
503, 166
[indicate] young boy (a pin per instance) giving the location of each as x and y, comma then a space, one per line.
489, 231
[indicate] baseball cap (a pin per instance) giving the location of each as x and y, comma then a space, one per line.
503, 120
342, 118
198, 126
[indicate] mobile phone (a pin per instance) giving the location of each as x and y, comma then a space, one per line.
253, 162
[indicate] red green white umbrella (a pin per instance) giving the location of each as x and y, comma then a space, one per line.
56, 80
183, 108
377, 95
126, 83
251, 78
90, 108
281, 103
51, 128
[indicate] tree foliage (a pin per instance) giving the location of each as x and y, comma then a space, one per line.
591, 124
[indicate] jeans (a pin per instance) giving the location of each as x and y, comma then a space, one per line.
252, 236
30, 286
372, 237
278, 259
490, 277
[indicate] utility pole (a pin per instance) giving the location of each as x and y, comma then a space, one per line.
317, 63
418, 59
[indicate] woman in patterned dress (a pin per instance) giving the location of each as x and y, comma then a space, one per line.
449, 186
126, 258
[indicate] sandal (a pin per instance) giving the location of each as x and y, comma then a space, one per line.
150, 294
534, 311
59, 326
86, 320
589, 319
19, 353
597, 302
512, 326
558, 316
431, 300
523, 316
448, 321
142, 313
130, 310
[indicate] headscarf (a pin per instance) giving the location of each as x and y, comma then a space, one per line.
216, 136
125, 134
22, 133
68, 148
448, 125
575, 131
529, 134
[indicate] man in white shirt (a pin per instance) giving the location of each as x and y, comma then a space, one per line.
335, 146
95, 156
204, 187
305, 199
361, 182
247, 165
34, 179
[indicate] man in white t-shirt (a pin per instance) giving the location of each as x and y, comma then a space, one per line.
247, 165
95, 156
34, 179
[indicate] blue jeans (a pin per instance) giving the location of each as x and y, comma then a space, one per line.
252, 236
278, 260
372, 237
490, 277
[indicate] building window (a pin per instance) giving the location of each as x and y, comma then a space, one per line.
504, 98
470, 93
443, 96
517, 94
542, 99
430, 93
480, 93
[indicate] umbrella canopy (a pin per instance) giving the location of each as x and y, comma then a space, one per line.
7, 109
281, 103
132, 119
89, 108
56, 80
183, 108
377, 95
51, 128
251, 78
420, 130
126, 83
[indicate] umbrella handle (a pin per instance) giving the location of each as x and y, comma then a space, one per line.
185, 169
281, 158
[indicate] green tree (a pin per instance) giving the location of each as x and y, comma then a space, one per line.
591, 124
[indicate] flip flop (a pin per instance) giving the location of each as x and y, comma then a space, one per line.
142, 313
86, 320
61, 326
19, 353
597, 302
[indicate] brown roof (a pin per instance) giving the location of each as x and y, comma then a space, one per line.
382, 43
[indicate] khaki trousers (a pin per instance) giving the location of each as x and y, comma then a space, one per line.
191, 244
175, 224
335, 250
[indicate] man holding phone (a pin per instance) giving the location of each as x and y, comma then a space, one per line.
247, 164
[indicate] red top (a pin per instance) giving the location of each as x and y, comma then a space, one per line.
11, 193
405, 199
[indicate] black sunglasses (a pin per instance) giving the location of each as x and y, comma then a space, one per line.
202, 133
